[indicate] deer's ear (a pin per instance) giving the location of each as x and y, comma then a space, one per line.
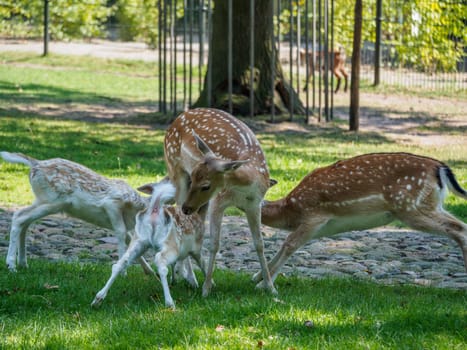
148, 188
227, 166
202, 146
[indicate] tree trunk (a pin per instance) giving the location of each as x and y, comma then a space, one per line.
264, 52
354, 114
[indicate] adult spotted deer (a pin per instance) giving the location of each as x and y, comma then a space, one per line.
365, 192
213, 157
336, 65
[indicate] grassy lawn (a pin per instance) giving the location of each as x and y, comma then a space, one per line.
48, 306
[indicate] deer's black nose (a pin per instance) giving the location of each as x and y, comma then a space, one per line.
187, 210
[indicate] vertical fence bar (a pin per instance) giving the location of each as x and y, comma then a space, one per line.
229, 58
326, 60
320, 51
291, 106
164, 73
252, 57
171, 58
332, 61
273, 65
379, 18
209, 74
46, 28
278, 16
313, 58
201, 44
299, 44
159, 62
190, 76
307, 69
174, 63
185, 17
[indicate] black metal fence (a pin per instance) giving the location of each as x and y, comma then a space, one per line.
302, 31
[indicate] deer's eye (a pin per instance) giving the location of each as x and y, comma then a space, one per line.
205, 188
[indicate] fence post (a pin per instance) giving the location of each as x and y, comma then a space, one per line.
379, 14
46, 27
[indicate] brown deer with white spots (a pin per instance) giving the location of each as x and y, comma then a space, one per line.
365, 192
337, 57
213, 157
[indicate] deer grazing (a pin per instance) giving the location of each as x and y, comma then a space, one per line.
336, 65
364, 192
214, 158
166, 229
60, 185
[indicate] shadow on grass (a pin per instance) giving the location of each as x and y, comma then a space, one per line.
400, 122
100, 147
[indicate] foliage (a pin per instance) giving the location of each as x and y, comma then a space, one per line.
423, 34
68, 18
139, 20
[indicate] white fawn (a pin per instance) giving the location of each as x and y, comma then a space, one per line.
213, 157
165, 228
61, 185
365, 192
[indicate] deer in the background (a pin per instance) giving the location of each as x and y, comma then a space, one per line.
213, 157
336, 65
365, 192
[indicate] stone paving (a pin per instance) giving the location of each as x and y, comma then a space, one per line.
385, 255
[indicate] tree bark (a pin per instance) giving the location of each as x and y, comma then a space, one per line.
354, 114
264, 52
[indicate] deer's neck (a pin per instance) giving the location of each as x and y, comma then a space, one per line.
275, 214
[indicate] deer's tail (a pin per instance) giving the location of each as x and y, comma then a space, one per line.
18, 158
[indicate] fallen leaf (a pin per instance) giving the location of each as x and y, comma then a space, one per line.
49, 286
276, 300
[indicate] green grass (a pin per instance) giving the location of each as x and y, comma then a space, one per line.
48, 306
28, 78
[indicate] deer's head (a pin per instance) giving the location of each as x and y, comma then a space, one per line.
207, 177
